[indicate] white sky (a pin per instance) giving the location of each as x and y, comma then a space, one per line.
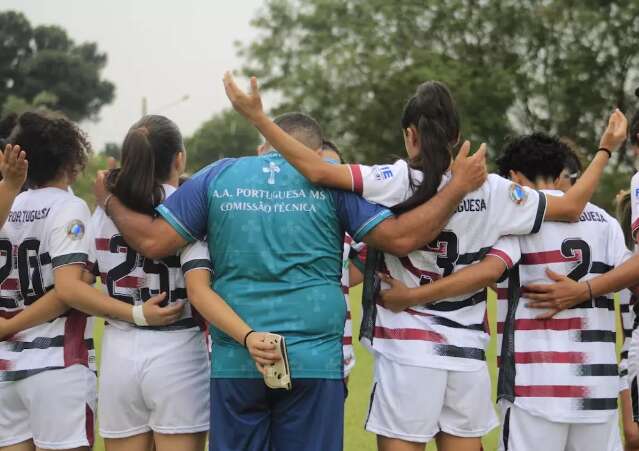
161, 49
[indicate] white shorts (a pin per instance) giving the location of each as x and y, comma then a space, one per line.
53, 408
153, 381
522, 431
414, 403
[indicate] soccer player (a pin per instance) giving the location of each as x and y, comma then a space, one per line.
558, 377
444, 342
47, 379
154, 379
276, 244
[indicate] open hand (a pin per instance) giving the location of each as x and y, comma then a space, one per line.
13, 167
616, 131
99, 188
161, 316
395, 298
248, 105
564, 293
469, 172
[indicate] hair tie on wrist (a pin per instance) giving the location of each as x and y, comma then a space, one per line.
247, 335
603, 149
589, 289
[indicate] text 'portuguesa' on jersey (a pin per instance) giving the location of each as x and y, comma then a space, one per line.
46, 229
130, 277
276, 243
563, 369
450, 334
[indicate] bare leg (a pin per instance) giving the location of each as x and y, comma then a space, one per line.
24, 446
140, 442
82, 448
447, 442
183, 442
395, 444
630, 428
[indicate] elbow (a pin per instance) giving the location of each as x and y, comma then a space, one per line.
316, 177
152, 248
400, 246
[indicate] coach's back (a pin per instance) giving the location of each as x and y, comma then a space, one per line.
275, 242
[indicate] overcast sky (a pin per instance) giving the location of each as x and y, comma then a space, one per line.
161, 49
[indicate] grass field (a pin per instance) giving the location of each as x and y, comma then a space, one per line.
356, 439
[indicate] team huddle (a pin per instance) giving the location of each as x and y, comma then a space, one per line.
197, 275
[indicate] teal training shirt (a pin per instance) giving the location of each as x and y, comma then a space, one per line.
276, 246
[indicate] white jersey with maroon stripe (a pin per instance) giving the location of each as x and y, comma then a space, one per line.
46, 229
565, 368
132, 278
351, 249
450, 334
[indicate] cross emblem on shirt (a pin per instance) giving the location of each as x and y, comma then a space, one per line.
271, 169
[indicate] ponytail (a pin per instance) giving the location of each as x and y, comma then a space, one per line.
148, 152
432, 111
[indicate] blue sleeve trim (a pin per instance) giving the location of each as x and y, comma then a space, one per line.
371, 224
175, 223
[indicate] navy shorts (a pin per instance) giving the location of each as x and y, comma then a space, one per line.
247, 415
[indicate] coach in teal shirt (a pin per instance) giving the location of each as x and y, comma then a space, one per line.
276, 245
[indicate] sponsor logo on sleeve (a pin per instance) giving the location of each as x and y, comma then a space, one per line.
518, 194
75, 229
383, 172
637, 193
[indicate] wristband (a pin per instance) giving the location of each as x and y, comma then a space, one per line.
589, 289
106, 203
603, 149
138, 315
247, 335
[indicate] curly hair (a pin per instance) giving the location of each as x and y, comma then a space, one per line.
55, 146
536, 156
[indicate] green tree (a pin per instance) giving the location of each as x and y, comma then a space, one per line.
43, 66
514, 66
226, 134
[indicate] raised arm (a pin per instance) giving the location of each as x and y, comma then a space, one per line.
46, 308
466, 281
305, 160
570, 206
217, 312
13, 167
151, 237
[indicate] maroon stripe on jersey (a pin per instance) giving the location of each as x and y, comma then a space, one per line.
411, 311
348, 314
358, 180
8, 315
502, 294
75, 347
549, 357
345, 289
102, 244
541, 258
5, 365
130, 282
548, 324
9, 284
408, 334
635, 226
501, 254
347, 341
408, 265
551, 391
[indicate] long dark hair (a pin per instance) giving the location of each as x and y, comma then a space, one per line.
433, 112
148, 152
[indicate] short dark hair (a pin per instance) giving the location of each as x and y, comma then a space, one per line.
573, 163
301, 127
54, 145
330, 145
7, 124
536, 156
